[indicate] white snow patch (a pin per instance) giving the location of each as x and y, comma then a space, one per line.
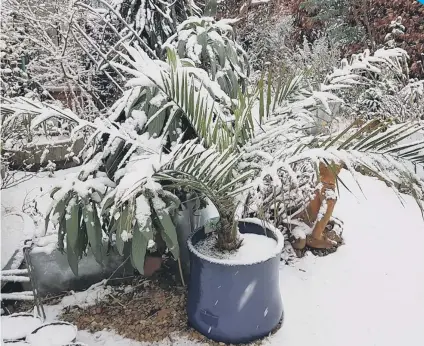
380, 268
18, 326
254, 248
53, 335
88, 297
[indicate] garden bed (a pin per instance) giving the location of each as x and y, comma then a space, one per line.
153, 310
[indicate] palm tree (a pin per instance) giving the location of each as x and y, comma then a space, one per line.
238, 154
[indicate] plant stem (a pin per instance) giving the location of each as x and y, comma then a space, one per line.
228, 230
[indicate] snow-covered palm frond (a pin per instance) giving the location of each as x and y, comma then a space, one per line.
208, 171
168, 93
288, 160
214, 175
40, 112
211, 44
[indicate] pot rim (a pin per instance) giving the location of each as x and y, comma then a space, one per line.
279, 240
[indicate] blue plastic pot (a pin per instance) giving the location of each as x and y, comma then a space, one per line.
234, 303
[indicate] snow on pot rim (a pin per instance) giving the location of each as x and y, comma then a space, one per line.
26, 324
250, 260
66, 333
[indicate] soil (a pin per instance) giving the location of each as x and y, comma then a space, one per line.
154, 310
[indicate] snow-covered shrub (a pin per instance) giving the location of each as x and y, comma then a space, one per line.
13, 78
139, 162
344, 20
383, 87
267, 40
26, 142
271, 43
211, 45
46, 36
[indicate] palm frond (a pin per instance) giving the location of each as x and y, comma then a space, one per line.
207, 171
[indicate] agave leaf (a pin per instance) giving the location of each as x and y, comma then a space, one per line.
124, 224
72, 258
220, 49
72, 225
82, 240
140, 242
58, 209
202, 39
94, 230
181, 48
168, 232
61, 236
107, 203
214, 67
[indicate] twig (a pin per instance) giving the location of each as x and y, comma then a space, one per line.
125, 261
181, 272
116, 300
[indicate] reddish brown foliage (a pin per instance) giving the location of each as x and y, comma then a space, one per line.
379, 14
412, 13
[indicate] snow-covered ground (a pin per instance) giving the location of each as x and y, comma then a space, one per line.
371, 291
368, 293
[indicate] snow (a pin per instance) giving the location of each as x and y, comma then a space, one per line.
370, 291
14, 278
24, 295
26, 324
254, 249
53, 335
83, 299
367, 293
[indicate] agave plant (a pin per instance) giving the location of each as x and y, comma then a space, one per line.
101, 204
211, 45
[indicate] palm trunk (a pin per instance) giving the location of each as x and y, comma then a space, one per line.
228, 239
